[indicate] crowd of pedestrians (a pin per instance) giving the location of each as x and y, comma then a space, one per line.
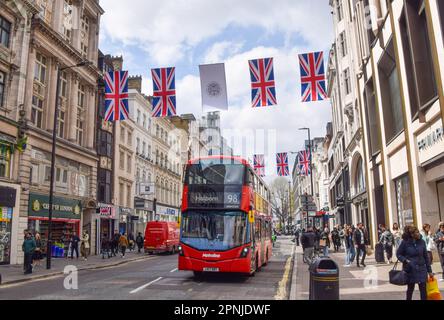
119, 243
412, 247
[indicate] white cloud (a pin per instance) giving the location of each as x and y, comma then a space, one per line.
169, 29
220, 50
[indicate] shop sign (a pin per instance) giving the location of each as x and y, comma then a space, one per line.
143, 204
63, 208
167, 211
126, 211
5, 214
431, 142
106, 212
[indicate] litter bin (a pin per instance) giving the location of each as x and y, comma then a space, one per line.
324, 280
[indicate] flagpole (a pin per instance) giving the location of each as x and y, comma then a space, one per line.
311, 167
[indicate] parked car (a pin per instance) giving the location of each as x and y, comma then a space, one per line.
161, 236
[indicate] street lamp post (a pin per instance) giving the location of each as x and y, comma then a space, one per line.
53, 156
311, 161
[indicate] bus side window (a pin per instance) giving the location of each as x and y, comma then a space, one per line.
258, 230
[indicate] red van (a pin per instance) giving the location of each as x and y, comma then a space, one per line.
161, 236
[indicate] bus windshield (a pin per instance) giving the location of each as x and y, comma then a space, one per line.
215, 172
214, 230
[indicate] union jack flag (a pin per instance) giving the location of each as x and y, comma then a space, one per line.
304, 161
263, 90
164, 96
313, 77
259, 165
116, 96
282, 164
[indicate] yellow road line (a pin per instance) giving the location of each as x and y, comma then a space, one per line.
281, 293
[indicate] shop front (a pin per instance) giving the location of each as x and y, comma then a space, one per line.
144, 213
125, 215
430, 144
7, 204
164, 213
107, 223
66, 218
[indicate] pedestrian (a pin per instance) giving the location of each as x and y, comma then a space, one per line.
28, 248
297, 236
325, 241
336, 239
387, 241
37, 257
439, 241
317, 234
84, 246
123, 242
139, 242
342, 234
397, 235
308, 240
105, 246
412, 252
115, 244
350, 252
131, 242
426, 235
75, 245
361, 241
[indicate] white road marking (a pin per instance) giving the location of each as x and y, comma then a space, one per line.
173, 270
145, 286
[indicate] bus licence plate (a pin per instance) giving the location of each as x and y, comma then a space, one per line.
211, 269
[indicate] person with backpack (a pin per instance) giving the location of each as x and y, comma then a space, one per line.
388, 241
139, 242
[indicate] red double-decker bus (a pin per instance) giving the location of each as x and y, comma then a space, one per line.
226, 223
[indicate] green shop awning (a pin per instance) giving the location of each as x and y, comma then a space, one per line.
63, 208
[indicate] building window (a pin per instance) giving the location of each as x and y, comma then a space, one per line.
61, 124
67, 23
340, 10
138, 146
138, 117
360, 177
5, 160
391, 94
343, 43
347, 82
144, 122
418, 57
104, 186
144, 148
2, 87
40, 69
105, 144
122, 160
404, 201
121, 193
128, 164
84, 36
130, 139
128, 196
372, 118
122, 135
37, 111
79, 127
5, 32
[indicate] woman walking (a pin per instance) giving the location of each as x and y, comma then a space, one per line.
397, 235
412, 252
439, 240
427, 237
84, 245
349, 247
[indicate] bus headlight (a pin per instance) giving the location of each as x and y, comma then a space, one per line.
180, 248
244, 252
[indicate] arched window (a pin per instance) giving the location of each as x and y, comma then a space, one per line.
360, 178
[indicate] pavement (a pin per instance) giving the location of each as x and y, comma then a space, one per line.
370, 283
153, 278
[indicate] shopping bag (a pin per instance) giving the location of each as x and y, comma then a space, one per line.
433, 292
322, 243
369, 251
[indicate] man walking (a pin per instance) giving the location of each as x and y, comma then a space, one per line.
360, 239
308, 243
297, 236
28, 248
123, 241
139, 242
75, 245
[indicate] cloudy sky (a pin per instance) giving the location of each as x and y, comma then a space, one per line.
187, 33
